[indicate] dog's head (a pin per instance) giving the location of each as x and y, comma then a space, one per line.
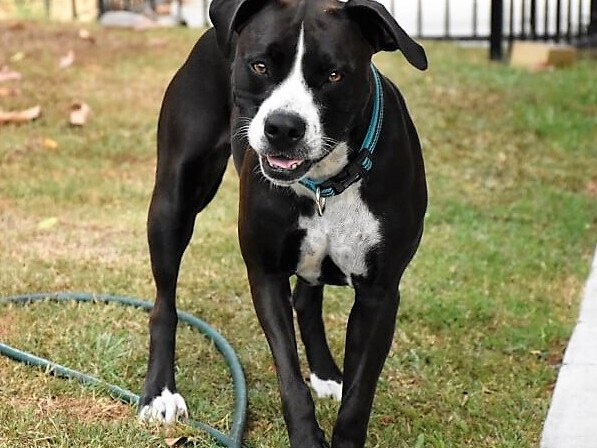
301, 76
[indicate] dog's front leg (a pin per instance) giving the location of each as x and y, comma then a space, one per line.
271, 297
169, 225
369, 336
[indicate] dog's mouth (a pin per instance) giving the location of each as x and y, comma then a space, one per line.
284, 169
284, 163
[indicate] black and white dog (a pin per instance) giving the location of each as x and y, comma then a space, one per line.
332, 190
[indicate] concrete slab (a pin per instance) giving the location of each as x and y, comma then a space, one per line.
572, 418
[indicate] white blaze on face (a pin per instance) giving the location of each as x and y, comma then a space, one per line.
291, 96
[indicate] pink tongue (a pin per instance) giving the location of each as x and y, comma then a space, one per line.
281, 162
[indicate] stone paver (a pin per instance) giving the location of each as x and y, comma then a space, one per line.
572, 418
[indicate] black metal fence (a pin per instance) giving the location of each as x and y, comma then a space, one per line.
569, 21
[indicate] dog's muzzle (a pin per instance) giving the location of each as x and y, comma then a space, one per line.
284, 159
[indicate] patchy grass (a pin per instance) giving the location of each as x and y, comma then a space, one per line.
488, 303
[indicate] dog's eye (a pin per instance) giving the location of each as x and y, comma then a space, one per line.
259, 67
335, 76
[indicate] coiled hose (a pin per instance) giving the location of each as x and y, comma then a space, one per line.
238, 378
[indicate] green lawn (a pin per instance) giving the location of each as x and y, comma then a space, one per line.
488, 303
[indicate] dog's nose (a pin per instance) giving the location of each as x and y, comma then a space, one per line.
284, 129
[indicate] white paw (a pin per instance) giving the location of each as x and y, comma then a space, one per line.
165, 408
326, 388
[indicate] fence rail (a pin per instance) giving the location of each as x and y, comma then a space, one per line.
504, 21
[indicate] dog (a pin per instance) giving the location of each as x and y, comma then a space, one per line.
332, 191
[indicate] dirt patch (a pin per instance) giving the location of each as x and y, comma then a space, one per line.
81, 409
6, 321
62, 238
591, 188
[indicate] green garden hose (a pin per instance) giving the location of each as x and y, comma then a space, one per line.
240, 389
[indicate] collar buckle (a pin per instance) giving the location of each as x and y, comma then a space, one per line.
319, 201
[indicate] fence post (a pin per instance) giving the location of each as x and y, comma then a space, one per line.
592, 31
447, 20
497, 30
533, 19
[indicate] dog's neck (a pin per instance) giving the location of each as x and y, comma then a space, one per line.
344, 167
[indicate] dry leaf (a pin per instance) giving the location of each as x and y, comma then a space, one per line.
22, 116
591, 188
86, 35
50, 144
9, 91
6, 74
18, 56
79, 112
48, 223
17, 26
67, 60
175, 441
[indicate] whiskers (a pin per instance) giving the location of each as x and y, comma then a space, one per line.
328, 143
241, 129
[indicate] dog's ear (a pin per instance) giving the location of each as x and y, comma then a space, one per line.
228, 17
383, 32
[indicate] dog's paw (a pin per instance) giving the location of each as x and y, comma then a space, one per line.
325, 388
165, 409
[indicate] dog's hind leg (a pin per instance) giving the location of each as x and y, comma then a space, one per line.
325, 378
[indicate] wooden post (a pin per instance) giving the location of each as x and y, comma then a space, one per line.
497, 31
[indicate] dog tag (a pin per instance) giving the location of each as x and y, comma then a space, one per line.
319, 201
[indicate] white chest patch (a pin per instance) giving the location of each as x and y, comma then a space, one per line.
346, 233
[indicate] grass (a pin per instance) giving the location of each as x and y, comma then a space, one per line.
488, 303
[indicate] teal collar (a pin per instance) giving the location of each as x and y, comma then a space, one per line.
361, 164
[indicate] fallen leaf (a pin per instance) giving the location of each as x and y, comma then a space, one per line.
50, 144
48, 223
174, 441
591, 188
86, 35
79, 112
18, 56
22, 116
17, 26
67, 60
7, 74
9, 91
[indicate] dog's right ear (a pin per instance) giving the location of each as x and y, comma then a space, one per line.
229, 16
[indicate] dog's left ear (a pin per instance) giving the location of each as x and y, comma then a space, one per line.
228, 17
383, 32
